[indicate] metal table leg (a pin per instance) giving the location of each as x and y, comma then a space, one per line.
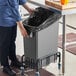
63, 45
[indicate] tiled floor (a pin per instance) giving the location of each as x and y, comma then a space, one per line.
70, 66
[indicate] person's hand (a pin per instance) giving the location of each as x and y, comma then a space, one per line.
23, 32
22, 29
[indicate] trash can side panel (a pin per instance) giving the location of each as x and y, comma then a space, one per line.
30, 47
47, 40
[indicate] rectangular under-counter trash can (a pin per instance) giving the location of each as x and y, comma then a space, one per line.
43, 39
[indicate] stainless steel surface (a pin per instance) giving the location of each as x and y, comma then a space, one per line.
47, 40
63, 45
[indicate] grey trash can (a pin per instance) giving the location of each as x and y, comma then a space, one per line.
43, 40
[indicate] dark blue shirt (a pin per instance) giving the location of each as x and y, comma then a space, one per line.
9, 13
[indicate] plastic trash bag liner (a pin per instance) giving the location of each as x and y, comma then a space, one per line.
38, 19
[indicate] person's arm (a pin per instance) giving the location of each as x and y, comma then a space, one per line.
24, 4
19, 22
30, 10
22, 29
15, 13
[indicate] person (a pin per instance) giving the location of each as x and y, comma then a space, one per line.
9, 20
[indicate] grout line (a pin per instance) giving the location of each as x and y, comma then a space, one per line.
69, 43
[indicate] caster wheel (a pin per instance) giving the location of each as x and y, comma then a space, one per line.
37, 74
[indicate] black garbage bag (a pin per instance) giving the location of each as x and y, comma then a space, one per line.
38, 17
